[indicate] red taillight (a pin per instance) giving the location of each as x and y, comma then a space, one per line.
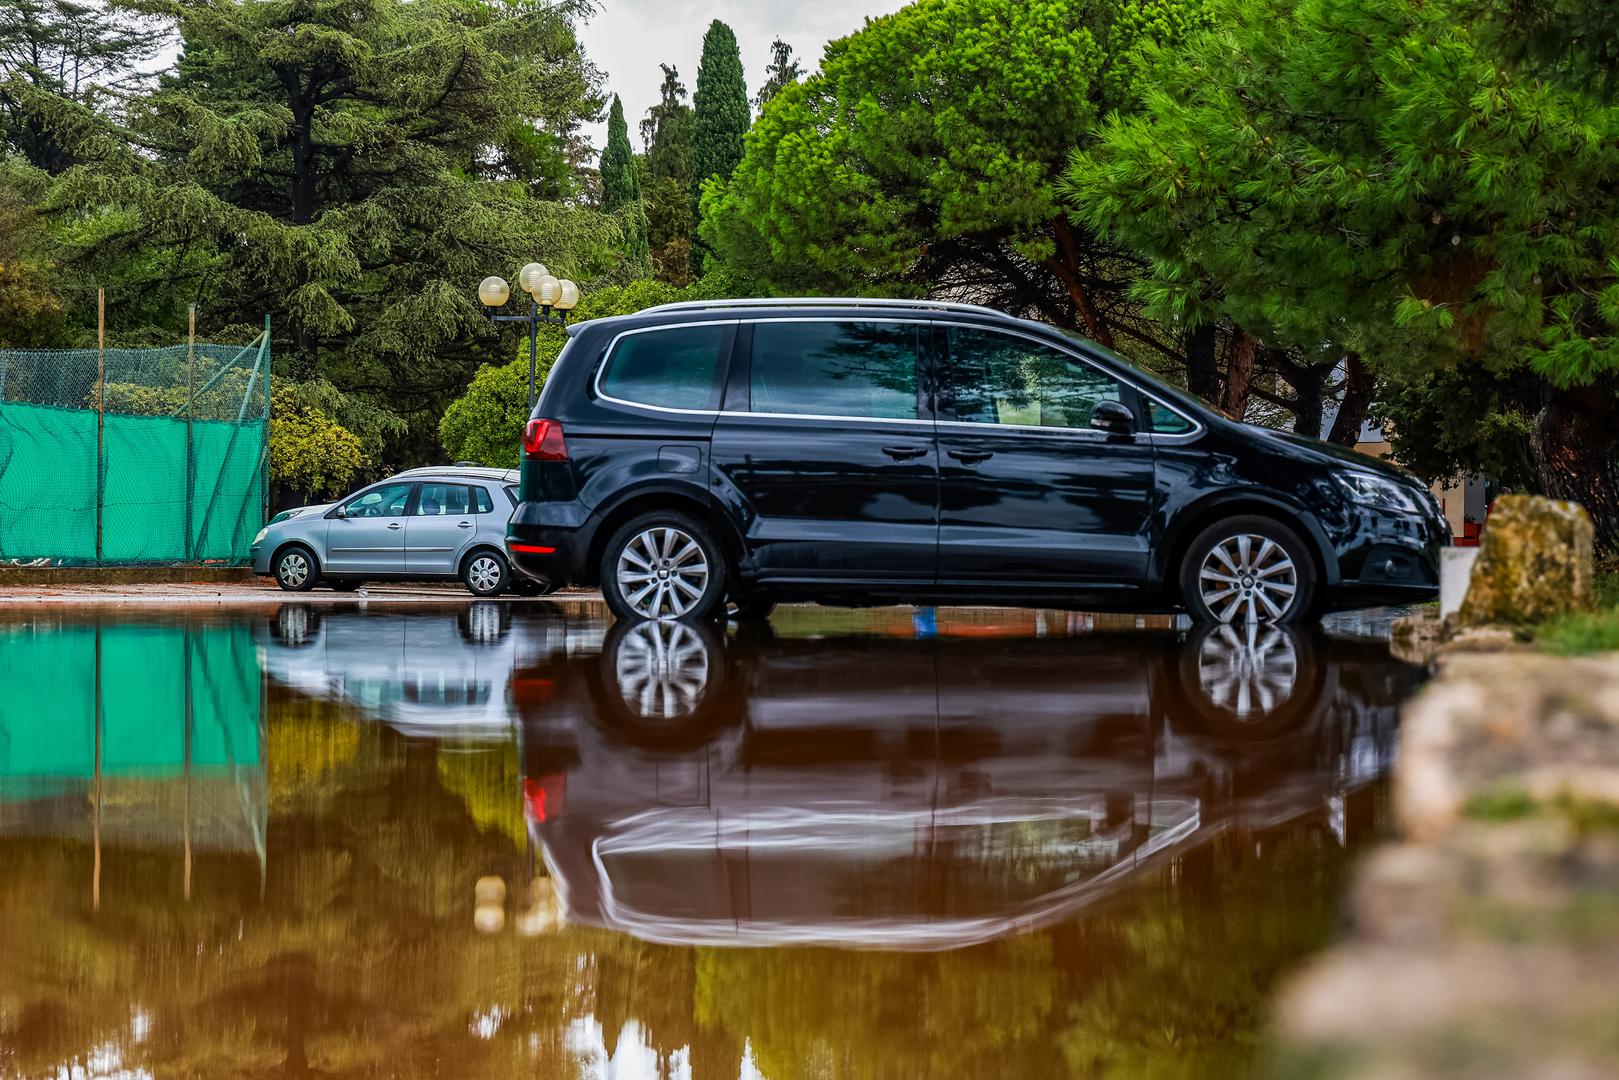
542, 441
542, 796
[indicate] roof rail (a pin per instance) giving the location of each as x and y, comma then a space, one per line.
826, 301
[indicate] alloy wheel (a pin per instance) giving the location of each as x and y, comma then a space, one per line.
662, 670
293, 569
662, 573
1248, 671
484, 574
1248, 578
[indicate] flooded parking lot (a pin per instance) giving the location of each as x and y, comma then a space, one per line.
520, 840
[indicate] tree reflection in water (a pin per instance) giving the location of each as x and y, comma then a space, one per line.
343, 788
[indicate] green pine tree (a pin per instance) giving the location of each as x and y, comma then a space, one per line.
722, 118
621, 190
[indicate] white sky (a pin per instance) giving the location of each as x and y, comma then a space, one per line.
628, 39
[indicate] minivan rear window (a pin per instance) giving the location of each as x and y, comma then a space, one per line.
860, 369
672, 367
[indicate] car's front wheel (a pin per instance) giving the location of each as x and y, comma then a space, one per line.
663, 565
1248, 569
485, 573
295, 568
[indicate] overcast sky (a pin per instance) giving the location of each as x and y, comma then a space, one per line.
628, 39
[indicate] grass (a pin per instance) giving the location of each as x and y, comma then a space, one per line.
1586, 632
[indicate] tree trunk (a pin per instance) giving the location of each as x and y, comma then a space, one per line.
1306, 380
1066, 265
1239, 375
1359, 386
1202, 362
1577, 454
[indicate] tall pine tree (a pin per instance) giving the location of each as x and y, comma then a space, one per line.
782, 71
722, 118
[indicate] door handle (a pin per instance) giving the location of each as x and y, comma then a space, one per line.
971, 457
904, 453
463, 525
395, 525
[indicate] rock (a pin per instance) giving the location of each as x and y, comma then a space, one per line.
1534, 563
1416, 638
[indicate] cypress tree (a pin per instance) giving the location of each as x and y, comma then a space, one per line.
722, 116
619, 185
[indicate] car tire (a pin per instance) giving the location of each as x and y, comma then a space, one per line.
296, 569
1248, 569
486, 572
664, 565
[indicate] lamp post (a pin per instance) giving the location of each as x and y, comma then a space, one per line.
546, 294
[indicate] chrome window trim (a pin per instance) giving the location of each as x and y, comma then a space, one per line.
1198, 427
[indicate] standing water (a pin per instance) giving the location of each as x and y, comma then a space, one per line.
517, 840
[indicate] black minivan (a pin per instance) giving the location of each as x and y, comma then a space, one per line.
701, 457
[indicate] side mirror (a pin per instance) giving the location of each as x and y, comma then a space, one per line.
1113, 418
340, 513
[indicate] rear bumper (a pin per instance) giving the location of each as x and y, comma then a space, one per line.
552, 542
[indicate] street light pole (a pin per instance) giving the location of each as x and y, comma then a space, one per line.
546, 294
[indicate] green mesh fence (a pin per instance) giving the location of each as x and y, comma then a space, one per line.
133, 456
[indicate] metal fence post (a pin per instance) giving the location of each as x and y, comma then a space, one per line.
268, 400
191, 453
101, 411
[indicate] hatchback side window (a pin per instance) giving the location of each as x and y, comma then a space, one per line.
863, 369
1000, 379
386, 501
674, 367
439, 500
480, 497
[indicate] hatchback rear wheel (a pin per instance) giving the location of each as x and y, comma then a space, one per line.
1248, 569
485, 573
663, 565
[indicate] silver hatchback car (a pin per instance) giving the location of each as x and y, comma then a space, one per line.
421, 524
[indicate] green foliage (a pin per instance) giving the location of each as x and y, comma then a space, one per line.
667, 132
925, 154
29, 305
1586, 632
1446, 423
721, 115
310, 452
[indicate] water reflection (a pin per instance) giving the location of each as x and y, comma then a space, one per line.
500, 841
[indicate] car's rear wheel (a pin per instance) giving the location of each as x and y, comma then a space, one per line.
1248, 569
296, 569
663, 565
485, 573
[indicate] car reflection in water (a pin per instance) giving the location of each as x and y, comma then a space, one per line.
424, 672
929, 792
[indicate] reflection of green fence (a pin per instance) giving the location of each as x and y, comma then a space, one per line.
133, 455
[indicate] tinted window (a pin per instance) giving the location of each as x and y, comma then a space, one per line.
835, 369
1162, 420
385, 501
676, 368
1000, 379
480, 496
511, 493
439, 500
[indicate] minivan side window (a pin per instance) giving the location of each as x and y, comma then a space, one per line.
1162, 420
1001, 379
858, 369
673, 367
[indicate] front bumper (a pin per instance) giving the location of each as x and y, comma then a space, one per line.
260, 557
1389, 556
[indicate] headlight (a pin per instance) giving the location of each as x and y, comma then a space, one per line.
1369, 489
259, 539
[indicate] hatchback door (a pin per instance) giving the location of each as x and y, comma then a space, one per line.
443, 519
369, 535
823, 451
1030, 495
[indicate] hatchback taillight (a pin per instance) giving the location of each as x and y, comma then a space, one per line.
542, 441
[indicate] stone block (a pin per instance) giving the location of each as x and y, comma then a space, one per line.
1535, 563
